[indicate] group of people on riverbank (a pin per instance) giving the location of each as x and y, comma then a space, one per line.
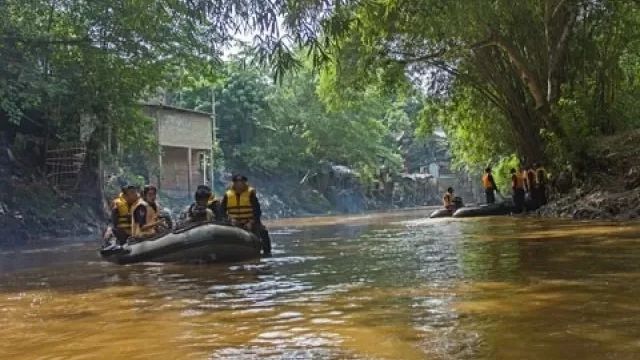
136, 214
528, 185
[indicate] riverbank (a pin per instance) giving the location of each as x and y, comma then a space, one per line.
606, 185
32, 213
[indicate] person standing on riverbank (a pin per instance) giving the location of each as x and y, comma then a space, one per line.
517, 185
489, 186
530, 186
541, 184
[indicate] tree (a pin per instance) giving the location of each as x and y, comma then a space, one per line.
520, 56
61, 60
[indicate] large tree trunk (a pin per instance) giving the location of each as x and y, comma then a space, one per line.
525, 122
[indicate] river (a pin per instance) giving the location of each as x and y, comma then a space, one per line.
394, 286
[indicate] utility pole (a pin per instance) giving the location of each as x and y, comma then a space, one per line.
213, 135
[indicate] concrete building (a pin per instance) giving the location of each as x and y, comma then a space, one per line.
185, 141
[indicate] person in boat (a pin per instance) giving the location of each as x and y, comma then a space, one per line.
199, 211
146, 221
240, 204
448, 200
120, 196
517, 185
121, 212
213, 204
541, 184
489, 185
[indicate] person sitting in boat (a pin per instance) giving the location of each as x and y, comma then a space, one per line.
199, 211
146, 221
121, 212
213, 204
240, 204
447, 200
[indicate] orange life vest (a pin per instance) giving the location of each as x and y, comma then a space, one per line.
518, 181
447, 200
531, 179
486, 182
541, 176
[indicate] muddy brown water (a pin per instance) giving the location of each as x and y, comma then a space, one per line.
394, 286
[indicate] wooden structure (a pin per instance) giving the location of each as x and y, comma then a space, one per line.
64, 164
185, 141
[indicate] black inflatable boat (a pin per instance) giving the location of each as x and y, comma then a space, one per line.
196, 243
504, 208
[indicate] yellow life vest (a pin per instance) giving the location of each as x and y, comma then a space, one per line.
486, 182
239, 205
124, 214
151, 217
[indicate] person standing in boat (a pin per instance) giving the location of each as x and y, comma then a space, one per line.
489, 185
240, 204
448, 200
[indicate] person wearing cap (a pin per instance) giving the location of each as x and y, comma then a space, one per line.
240, 204
121, 212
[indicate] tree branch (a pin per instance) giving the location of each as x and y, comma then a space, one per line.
528, 77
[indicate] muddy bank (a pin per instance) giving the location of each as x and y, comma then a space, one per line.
605, 185
32, 213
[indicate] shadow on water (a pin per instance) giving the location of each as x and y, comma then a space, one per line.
387, 286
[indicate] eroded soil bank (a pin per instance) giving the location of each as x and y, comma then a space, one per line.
606, 185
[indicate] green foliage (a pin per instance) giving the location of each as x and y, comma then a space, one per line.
541, 77
289, 128
502, 172
477, 133
61, 61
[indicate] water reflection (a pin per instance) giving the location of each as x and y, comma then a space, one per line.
387, 287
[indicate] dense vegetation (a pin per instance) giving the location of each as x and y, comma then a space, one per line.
530, 80
291, 128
